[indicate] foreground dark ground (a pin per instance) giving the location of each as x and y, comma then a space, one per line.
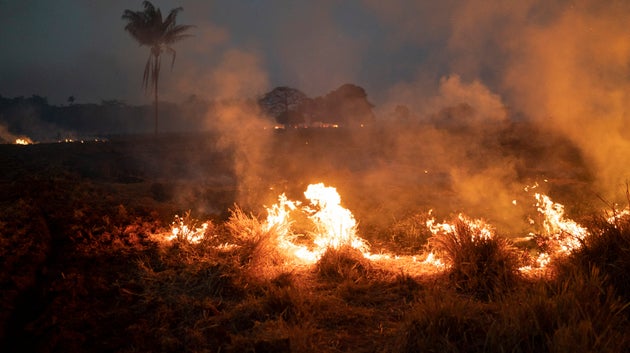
83, 272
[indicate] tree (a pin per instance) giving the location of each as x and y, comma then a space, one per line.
285, 104
148, 28
347, 105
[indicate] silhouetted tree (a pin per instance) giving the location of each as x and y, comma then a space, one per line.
285, 104
71, 100
148, 28
347, 105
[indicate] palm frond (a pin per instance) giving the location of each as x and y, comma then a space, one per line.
170, 19
148, 6
176, 34
173, 55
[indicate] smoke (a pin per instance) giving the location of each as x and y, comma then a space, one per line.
571, 76
6, 136
561, 64
242, 127
452, 157
521, 93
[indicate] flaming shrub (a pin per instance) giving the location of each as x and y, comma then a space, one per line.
481, 264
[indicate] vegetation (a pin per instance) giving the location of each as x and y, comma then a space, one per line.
148, 28
86, 265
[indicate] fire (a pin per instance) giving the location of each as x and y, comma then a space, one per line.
560, 236
478, 226
331, 226
335, 225
23, 141
615, 215
564, 235
182, 229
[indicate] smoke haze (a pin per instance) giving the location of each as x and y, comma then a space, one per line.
495, 95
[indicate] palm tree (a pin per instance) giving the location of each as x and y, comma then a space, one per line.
148, 28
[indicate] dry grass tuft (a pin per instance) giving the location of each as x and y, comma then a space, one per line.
442, 322
410, 234
607, 248
258, 248
485, 267
345, 263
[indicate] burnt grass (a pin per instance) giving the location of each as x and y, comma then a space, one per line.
82, 272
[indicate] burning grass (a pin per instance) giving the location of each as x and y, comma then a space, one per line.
481, 263
84, 270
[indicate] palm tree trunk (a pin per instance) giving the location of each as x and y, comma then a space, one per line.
156, 76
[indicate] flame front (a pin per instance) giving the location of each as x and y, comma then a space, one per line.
335, 225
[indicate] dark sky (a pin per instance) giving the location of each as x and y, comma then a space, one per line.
78, 47
564, 64
417, 52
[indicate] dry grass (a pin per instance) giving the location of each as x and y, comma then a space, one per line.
485, 267
607, 250
81, 273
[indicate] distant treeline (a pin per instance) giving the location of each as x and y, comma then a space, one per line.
36, 118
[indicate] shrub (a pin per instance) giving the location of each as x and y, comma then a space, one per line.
410, 233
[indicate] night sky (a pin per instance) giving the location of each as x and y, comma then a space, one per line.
74, 47
562, 64
523, 54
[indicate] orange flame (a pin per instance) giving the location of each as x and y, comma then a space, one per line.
336, 226
23, 141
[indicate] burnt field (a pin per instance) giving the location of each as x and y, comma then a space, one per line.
90, 262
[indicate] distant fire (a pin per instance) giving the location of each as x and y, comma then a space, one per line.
23, 141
